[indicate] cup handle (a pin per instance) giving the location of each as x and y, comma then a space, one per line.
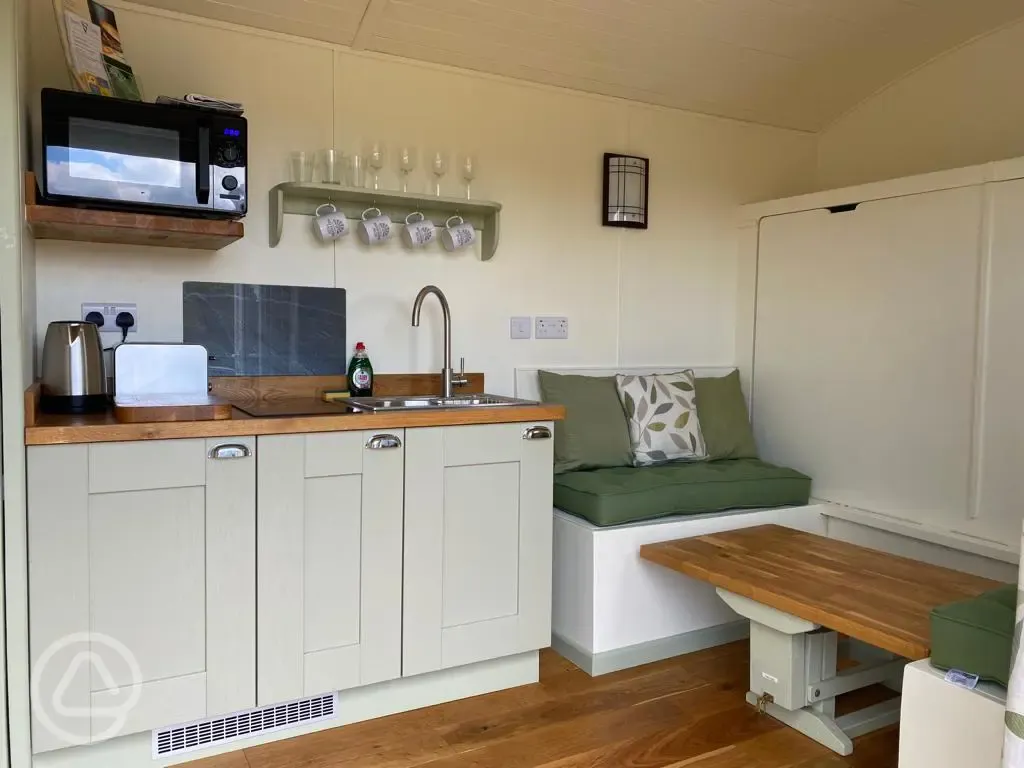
415, 213
371, 209
450, 219
325, 205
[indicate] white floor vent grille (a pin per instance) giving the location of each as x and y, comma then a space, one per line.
217, 730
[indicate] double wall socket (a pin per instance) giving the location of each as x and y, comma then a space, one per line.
552, 328
109, 313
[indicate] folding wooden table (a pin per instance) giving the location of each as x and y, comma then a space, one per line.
800, 591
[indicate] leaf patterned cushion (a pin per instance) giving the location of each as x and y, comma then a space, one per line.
662, 414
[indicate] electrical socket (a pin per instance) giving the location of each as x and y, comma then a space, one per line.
519, 328
110, 313
552, 328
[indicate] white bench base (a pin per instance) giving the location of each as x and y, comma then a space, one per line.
612, 610
945, 726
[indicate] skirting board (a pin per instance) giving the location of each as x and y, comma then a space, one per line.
595, 664
354, 705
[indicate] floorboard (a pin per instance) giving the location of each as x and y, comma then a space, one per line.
686, 712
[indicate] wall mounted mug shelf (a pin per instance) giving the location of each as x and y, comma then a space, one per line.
304, 197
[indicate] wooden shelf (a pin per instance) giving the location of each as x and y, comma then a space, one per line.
303, 198
52, 222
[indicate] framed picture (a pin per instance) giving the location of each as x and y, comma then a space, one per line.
626, 183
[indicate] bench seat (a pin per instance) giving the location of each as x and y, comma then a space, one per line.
627, 494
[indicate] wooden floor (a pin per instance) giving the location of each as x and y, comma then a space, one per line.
687, 711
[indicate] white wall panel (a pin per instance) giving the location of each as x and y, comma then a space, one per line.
999, 506
865, 347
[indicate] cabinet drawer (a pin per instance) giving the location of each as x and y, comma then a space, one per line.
483, 444
147, 465
329, 454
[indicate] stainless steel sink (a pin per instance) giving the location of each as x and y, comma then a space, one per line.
422, 402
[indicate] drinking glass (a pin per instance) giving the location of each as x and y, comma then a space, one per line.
357, 172
300, 165
468, 166
406, 164
330, 164
375, 157
439, 166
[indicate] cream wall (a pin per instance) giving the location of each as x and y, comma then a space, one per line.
666, 295
961, 109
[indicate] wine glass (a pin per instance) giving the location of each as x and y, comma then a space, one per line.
375, 157
406, 164
439, 166
468, 167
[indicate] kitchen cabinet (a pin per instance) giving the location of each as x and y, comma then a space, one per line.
184, 573
329, 554
477, 551
141, 584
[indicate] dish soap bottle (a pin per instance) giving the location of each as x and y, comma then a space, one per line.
360, 373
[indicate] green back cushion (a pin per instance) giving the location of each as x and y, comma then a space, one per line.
724, 420
593, 433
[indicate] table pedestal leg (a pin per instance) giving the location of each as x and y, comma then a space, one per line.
793, 677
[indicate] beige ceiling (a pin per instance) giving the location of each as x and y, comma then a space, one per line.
791, 63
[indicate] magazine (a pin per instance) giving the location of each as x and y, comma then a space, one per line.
92, 47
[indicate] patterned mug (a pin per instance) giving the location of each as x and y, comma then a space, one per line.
458, 236
419, 230
330, 225
374, 229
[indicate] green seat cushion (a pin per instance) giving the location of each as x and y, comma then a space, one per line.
626, 494
594, 433
724, 421
976, 635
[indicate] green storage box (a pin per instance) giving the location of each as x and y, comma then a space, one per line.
619, 495
976, 635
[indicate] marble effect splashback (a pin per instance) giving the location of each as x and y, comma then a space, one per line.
267, 330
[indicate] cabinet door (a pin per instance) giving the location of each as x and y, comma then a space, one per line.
329, 557
141, 585
477, 544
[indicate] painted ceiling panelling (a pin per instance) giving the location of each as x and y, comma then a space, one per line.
791, 63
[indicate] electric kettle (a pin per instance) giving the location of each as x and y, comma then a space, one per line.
74, 380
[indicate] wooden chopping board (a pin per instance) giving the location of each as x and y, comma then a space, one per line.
150, 408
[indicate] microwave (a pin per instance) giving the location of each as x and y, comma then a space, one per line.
115, 154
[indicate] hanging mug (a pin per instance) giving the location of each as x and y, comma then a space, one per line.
458, 236
330, 225
418, 232
374, 229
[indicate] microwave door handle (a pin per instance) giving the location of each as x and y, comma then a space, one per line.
203, 167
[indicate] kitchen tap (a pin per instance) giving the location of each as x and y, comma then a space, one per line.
447, 378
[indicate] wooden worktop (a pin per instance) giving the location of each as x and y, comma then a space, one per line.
297, 392
875, 597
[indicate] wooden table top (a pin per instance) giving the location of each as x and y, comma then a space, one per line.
875, 597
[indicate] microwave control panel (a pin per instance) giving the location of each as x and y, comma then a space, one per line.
228, 153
